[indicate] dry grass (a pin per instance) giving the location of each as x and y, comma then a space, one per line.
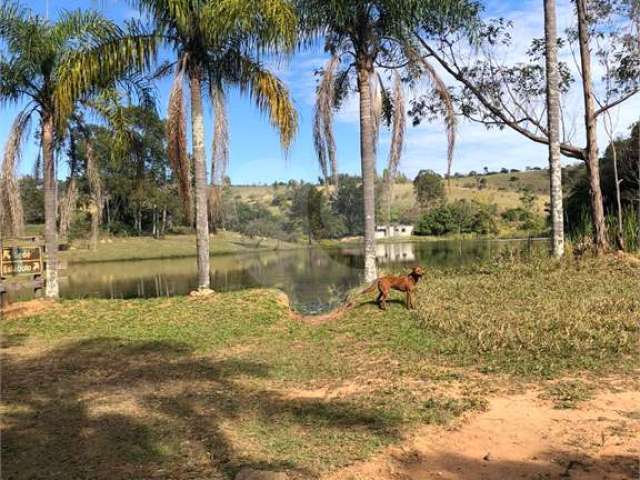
196, 388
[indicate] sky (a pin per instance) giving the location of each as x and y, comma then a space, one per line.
255, 155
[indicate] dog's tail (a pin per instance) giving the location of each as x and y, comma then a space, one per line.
371, 287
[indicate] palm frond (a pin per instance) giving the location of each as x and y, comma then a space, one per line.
78, 27
87, 69
93, 175
68, 206
220, 145
440, 89
375, 89
265, 24
11, 211
271, 96
398, 128
323, 138
177, 139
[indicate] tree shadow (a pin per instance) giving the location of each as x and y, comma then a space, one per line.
109, 408
554, 464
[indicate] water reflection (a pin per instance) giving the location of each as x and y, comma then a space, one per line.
316, 279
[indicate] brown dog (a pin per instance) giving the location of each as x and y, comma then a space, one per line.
403, 284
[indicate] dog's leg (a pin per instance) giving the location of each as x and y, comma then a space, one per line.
379, 298
408, 301
383, 301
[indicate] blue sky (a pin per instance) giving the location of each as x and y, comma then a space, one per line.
255, 155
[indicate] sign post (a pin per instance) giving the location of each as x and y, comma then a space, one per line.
20, 258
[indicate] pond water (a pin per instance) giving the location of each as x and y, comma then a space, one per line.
316, 279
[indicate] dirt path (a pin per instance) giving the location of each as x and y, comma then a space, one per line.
520, 437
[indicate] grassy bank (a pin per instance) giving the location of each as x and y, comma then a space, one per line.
170, 246
197, 388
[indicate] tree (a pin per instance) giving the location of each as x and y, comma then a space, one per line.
553, 126
514, 96
347, 204
428, 188
622, 160
216, 44
364, 40
54, 66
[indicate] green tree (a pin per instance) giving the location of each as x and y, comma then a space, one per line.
428, 188
54, 66
501, 95
362, 37
217, 43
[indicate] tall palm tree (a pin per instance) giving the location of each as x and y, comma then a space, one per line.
53, 66
366, 38
553, 119
216, 43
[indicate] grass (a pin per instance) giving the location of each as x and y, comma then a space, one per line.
198, 388
535, 180
171, 246
500, 190
568, 393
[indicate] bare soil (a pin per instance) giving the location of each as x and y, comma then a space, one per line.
26, 308
520, 437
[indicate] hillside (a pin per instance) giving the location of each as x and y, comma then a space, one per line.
502, 189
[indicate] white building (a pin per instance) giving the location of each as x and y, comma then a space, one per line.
395, 252
393, 231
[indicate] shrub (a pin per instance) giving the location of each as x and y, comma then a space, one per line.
458, 217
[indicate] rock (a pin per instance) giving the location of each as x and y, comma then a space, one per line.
487, 457
247, 473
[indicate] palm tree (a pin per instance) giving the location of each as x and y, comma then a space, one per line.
553, 118
54, 66
365, 38
216, 44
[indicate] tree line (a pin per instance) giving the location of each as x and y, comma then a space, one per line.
83, 62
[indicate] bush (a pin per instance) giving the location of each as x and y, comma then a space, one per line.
458, 217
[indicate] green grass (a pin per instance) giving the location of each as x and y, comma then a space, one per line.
171, 246
198, 388
568, 393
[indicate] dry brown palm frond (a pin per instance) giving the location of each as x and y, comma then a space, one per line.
11, 211
375, 87
69, 201
214, 200
323, 138
68, 206
440, 88
220, 145
95, 185
177, 139
93, 175
398, 127
399, 123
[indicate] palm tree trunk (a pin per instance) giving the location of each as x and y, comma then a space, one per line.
593, 168
202, 223
368, 161
50, 209
553, 118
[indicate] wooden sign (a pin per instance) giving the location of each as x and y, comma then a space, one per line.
20, 260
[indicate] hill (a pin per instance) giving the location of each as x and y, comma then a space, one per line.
501, 189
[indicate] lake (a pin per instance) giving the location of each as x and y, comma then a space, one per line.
316, 279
